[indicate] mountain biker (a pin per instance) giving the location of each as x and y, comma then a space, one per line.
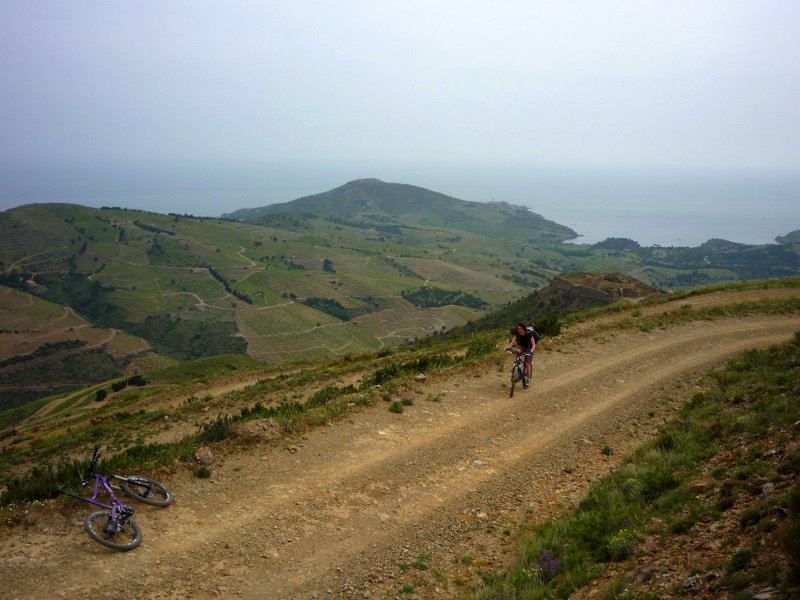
522, 342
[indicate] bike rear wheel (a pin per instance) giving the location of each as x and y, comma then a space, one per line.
98, 526
146, 490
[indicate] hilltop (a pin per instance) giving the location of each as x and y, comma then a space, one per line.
566, 293
390, 207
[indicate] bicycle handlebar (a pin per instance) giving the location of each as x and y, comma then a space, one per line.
519, 353
95, 458
92, 466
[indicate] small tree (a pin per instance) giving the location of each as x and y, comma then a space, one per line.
100, 395
137, 380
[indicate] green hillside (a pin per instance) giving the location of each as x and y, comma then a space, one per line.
197, 287
363, 267
48, 349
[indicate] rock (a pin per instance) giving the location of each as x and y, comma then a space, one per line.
203, 455
690, 582
768, 488
421, 377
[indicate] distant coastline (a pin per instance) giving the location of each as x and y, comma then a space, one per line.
657, 225
655, 207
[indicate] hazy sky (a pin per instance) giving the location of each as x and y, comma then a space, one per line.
700, 83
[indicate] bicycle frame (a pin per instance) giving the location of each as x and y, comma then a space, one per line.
120, 512
519, 358
518, 369
99, 479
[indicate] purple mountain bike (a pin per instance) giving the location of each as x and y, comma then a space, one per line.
114, 527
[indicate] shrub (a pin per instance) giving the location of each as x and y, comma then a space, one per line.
137, 380
481, 346
740, 560
327, 394
548, 326
396, 407
216, 430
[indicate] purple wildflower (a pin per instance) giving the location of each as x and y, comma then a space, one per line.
548, 564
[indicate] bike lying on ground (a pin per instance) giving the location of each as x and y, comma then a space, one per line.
114, 526
517, 369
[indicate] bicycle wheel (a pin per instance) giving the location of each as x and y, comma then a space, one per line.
97, 526
514, 379
146, 490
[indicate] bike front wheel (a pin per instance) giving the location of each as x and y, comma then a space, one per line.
146, 490
514, 379
99, 527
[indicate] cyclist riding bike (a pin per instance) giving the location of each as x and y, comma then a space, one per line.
522, 342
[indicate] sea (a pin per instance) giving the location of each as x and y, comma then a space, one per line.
667, 208
654, 207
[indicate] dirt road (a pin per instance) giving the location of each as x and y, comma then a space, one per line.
384, 505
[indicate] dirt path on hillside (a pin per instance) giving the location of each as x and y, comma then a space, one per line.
425, 499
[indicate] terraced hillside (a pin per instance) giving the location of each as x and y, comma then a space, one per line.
47, 349
194, 286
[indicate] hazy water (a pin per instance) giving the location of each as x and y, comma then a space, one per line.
668, 208
676, 213
663, 208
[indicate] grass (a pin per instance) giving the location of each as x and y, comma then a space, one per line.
205, 368
636, 312
113, 426
202, 472
752, 396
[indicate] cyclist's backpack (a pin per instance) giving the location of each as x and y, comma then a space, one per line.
532, 330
